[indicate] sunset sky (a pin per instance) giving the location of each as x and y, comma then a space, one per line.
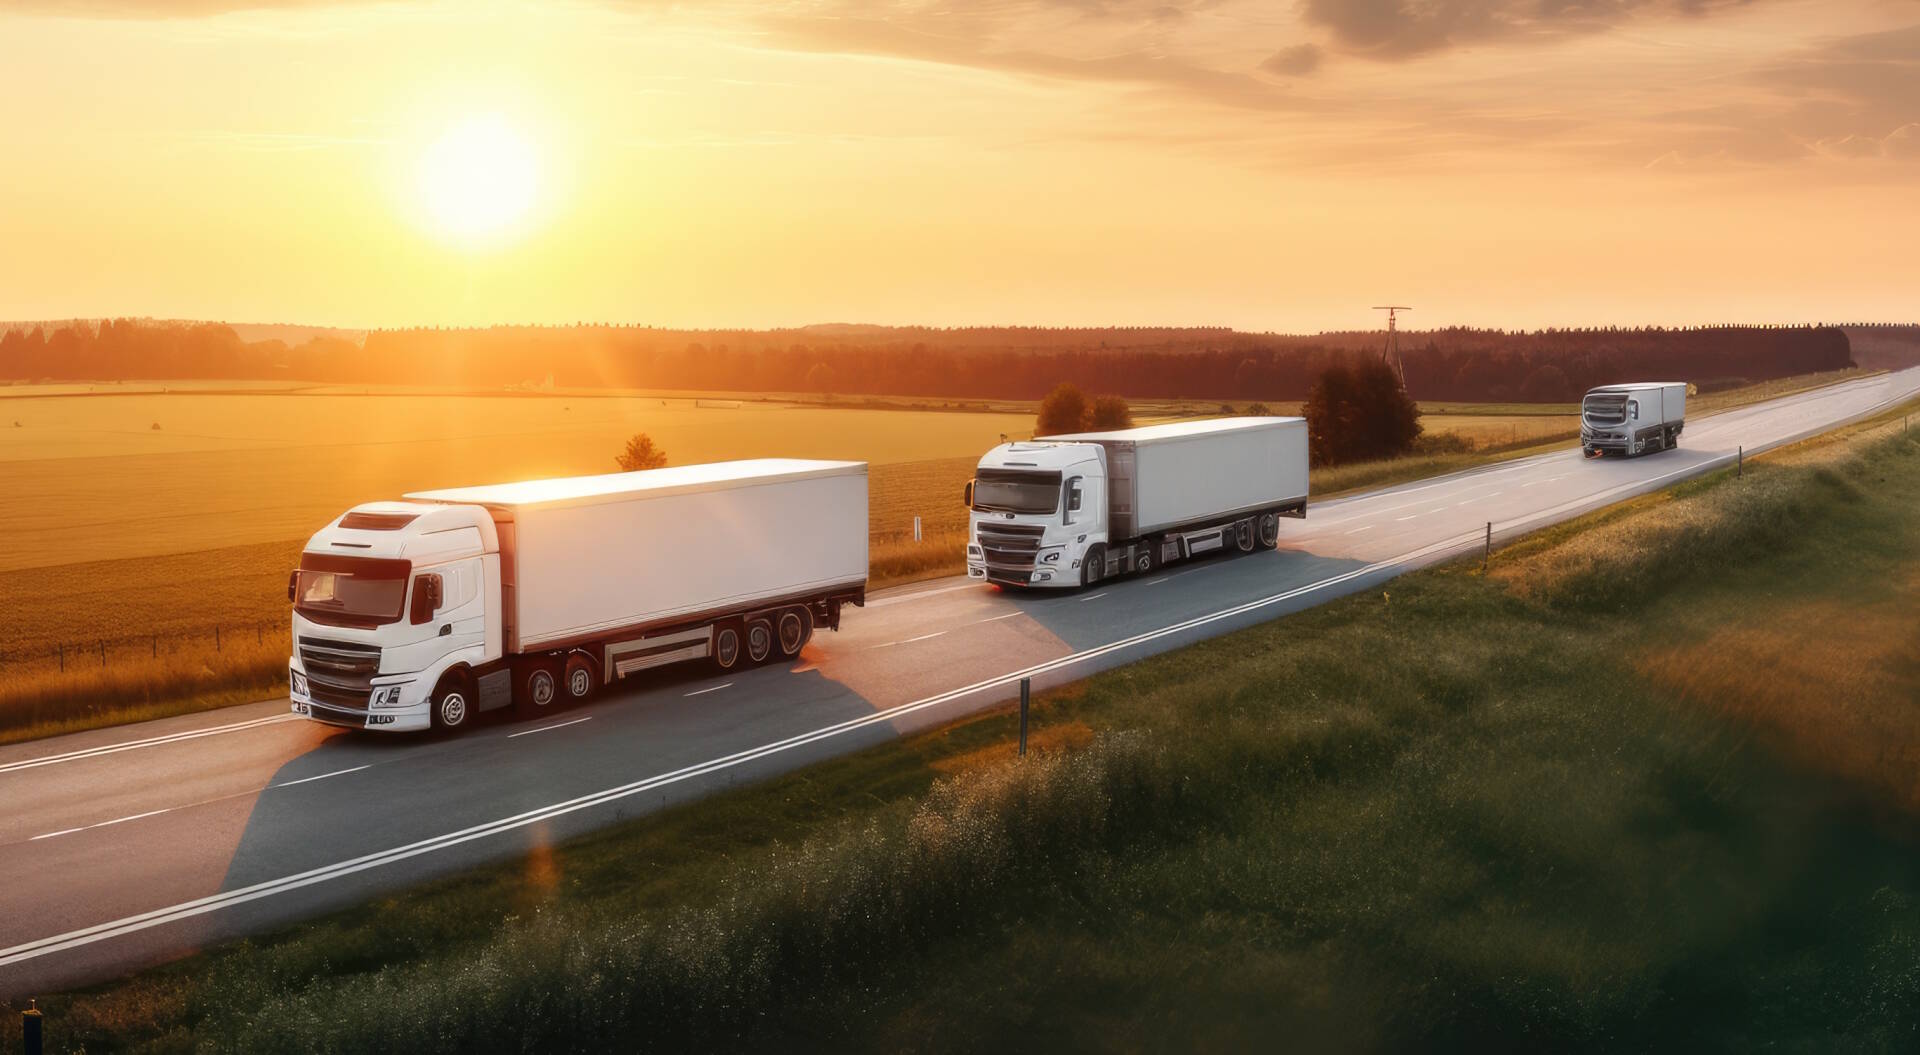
1516, 163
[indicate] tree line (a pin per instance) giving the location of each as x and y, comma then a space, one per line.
984, 362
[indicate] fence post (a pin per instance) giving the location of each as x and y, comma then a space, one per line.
1740, 462
916, 529
30, 1038
259, 636
1026, 695
103, 654
216, 639
1486, 557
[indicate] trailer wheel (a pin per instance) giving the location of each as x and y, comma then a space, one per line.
542, 689
451, 706
726, 645
1093, 567
759, 640
1243, 536
796, 626
581, 678
1269, 530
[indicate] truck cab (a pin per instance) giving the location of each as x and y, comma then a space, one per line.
387, 600
1035, 510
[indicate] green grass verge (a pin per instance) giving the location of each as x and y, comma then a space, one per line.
1467, 811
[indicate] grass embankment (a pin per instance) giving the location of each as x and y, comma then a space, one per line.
1571, 804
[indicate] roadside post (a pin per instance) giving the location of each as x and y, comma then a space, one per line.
1486, 557
1026, 696
916, 529
30, 1039
1740, 462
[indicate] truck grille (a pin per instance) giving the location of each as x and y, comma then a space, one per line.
339, 672
1009, 545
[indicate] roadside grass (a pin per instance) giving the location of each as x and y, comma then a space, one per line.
1466, 811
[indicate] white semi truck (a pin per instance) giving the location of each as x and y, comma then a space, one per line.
425, 612
1633, 419
1073, 510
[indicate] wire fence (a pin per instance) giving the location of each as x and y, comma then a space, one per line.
98, 653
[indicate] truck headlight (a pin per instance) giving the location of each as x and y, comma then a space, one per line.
299, 684
387, 695
973, 551
1051, 556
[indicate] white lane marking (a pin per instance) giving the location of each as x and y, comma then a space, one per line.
268, 888
1356, 531
1093, 597
923, 594
323, 776
1156, 582
155, 741
1464, 501
925, 637
995, 618
1530, 483
1409, 516
63, 831
710, 688
1494, 494
102, 824
549, 728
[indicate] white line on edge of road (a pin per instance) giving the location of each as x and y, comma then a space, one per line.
549, 728
153, 741
710, 688
268, 888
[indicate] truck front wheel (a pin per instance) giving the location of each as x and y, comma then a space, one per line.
581, 678
1094, 567
452, 704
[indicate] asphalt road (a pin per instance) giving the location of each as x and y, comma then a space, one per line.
127, 846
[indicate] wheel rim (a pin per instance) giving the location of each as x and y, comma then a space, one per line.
1146, 561
453, 709
726, 649
759, 641
790, 633
580, 682
1096, 565
541, 686
1243, 536
1269, 529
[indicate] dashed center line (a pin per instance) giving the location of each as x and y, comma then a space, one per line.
925, 637
102, 824
995, 618
323, 776
1409, 516
1093, 597
1356, 531
549, 728
1156, 582
710, 688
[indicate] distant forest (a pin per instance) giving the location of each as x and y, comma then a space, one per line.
992, 363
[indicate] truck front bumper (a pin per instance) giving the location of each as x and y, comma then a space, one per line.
409, 713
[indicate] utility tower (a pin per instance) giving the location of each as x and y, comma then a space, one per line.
1391, 356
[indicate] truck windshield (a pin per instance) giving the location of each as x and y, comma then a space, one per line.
1016, 491
1606, 408
351, 591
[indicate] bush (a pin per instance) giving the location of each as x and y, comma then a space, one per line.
1064, 410
641, 454
1360, 413
1111, 412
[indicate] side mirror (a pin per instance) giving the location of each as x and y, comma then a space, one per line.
293, 586
969, 498
426, 598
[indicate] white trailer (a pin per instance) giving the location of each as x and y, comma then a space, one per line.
1632, 419
424, 612
1073, 510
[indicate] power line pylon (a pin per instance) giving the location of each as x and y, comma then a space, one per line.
1391, 356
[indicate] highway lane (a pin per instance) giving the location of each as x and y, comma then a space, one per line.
124, 846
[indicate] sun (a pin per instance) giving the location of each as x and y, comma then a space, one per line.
479, 179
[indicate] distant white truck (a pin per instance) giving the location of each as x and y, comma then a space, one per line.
424, 612
1633, 419
1073, 510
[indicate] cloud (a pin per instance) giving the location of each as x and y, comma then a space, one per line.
1405, 29
1296, 61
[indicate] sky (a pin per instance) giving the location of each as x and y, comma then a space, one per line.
1263, 165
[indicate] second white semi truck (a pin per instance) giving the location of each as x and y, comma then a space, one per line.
1633, 419
424, 612
1073, 510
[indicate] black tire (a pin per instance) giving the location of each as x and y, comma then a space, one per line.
726, 646
539, 691
1244, 538
1094, 567
581, 680
452, 704
759, 640
1145, 561
794, 626
1269, 530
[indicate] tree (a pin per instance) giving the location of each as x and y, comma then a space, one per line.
820, 379
1260, 410
1359, 413
1548, 384
640, 454
1064, 410
1111, 412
